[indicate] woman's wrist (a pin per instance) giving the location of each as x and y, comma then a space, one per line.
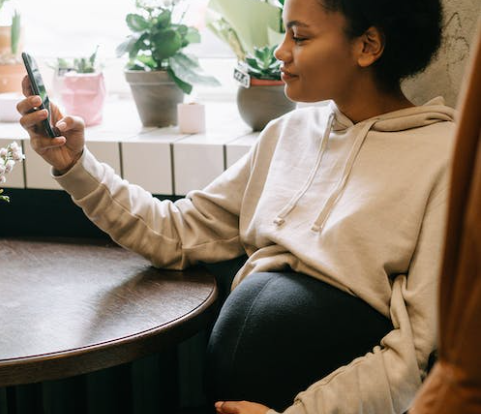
62, 171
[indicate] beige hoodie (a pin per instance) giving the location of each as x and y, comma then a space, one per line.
360, 206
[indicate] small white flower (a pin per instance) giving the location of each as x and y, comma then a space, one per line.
15, 151
8, 157
17, 155
14, 146
9, 166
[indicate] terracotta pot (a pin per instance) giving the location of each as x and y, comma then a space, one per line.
156, 97
5, 40
11, 77
263, 101
83, 94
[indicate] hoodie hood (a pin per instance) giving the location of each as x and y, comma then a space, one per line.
419, 116
431, 112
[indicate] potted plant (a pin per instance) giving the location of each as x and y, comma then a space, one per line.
81, 86
253, 39
11, 67
246, 24
261, 96
158, 71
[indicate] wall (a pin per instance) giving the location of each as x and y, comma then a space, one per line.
444, 75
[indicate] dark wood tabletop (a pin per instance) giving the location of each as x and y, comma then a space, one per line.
68, 307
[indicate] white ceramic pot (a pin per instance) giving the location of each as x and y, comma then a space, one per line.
8, 106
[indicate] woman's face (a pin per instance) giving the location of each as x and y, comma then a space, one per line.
317, 56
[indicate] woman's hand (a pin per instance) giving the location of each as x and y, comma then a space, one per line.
61, 152
240, 407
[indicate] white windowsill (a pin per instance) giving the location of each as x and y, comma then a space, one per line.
162, 160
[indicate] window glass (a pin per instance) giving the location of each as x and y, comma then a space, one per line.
71, 28
74, 27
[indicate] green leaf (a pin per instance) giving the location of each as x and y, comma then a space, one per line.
136, 22
164, 20
63, 63
166, 44
94, 56
148, 62
259, 53
256, 72
135, 66
4, 198
143, 62
181, 28
138, 46
15, 32
186, 87
187, 70
190, 60
253, 63
193, 35
263, 64
126, 45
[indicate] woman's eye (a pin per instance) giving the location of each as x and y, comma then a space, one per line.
298, 39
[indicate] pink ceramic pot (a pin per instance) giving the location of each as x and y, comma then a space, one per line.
83, 94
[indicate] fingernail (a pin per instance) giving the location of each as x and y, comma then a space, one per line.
61, 125
218, 404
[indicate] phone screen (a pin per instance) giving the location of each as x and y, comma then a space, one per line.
38, 88
38, 79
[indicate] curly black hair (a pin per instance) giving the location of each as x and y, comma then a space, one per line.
412, 31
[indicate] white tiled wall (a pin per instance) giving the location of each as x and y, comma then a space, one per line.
147, 160
239, 147
38, 175
163, 161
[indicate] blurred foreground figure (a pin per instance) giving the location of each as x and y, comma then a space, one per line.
454, 385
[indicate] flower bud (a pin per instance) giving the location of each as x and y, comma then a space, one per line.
9, 166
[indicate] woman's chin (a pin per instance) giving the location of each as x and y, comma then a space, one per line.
296, 95
299, 97
292, 94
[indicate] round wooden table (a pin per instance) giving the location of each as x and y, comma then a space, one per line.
68, 307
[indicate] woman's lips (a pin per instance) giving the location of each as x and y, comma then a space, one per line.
287, 76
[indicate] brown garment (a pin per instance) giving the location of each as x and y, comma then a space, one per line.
454, 385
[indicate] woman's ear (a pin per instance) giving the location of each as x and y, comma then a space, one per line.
371, 46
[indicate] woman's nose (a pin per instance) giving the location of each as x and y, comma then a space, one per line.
282, 53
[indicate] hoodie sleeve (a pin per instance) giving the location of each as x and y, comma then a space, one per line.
387, 379
204, 226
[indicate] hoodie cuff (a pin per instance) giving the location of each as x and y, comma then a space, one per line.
83, 178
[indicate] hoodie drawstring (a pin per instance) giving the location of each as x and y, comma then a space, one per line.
279, 220
335, 195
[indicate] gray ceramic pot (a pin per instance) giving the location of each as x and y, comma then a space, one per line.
259, 104
156, 96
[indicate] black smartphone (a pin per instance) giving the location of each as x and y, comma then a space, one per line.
38, 88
